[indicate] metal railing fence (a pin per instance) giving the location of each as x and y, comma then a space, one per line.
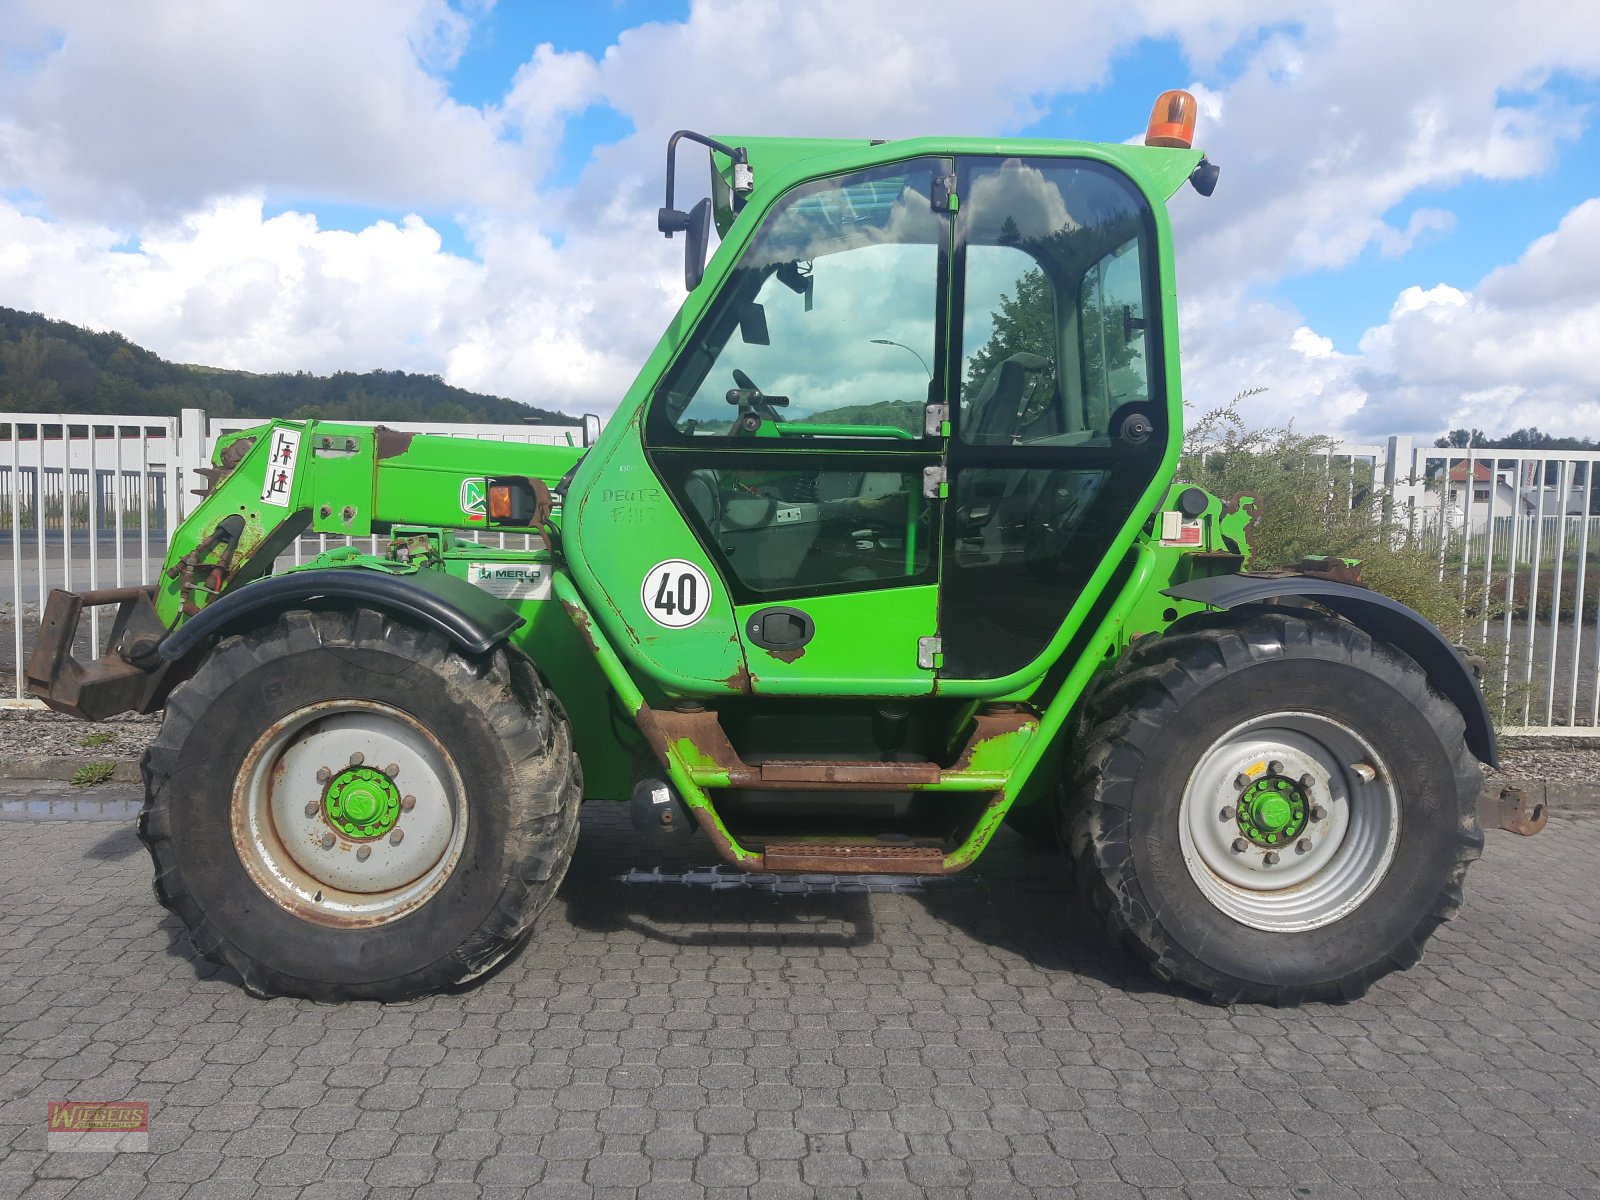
92, 501
1518, 531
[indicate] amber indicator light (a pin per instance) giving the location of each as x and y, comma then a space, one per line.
1172, 121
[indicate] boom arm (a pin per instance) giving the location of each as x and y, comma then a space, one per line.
268, 485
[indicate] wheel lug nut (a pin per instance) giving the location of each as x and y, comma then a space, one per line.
363, 854
1275, 767
1241, 781
1227, 814
392, 770
408, 802
1271, 858
311, 809
1307, 782
1318, 813
397, 837
1364, 771
357, 759
1240, 845
1303, 845
327, 841
323, 774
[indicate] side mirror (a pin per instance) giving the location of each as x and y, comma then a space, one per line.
591, 429
696, 240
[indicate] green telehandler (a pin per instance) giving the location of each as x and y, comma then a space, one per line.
882, 550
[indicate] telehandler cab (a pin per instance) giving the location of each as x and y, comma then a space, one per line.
882, 550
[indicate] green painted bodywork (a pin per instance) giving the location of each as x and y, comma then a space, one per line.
585, 624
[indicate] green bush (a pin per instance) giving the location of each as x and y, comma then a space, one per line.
1311, 500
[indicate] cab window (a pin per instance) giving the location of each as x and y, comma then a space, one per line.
1054, 342
827, 325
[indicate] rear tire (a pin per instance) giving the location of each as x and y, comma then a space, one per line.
1226, 832
275, 752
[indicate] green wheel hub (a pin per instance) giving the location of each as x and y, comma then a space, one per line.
1272, 811
361, 802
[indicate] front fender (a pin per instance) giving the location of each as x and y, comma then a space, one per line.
1380, 617
472, 619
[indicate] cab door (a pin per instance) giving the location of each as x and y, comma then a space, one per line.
1062, 415
794, 433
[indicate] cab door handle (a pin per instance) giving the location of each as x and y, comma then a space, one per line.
779, 628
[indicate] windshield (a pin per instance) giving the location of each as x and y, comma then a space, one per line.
827, 325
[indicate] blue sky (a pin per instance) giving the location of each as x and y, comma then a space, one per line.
1405, 237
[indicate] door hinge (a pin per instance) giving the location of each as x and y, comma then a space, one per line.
934, 486
936, 420
943, 196
930, 653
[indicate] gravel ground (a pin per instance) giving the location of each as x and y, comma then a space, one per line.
46, 733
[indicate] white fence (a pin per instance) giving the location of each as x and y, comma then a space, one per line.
92, 501
1516, 531
89, 502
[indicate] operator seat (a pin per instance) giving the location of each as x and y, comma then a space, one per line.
996, 410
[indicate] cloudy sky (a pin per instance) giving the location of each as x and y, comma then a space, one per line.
1406, 237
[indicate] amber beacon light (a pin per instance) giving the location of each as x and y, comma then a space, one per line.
1172, 121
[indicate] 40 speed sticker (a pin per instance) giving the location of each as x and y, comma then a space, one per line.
676, 593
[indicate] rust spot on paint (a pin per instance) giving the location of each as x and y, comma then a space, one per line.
720, 839
986, 726
580, 622
391, 442
788, 656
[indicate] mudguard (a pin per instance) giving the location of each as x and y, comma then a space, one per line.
469, 616
1377, 615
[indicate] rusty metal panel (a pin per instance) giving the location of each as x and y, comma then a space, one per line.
1512, 811
851, 858
855, 774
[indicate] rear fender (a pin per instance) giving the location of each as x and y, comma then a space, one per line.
1380, 617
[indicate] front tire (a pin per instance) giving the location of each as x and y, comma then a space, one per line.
340, 806
1273, 809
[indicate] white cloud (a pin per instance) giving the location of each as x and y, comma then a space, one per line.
164, 128
1519, 349
226, 286
147, 112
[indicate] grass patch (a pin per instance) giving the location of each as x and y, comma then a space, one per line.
92, 773
97, 739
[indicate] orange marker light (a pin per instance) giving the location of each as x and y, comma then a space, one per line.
499, 502
1172, 121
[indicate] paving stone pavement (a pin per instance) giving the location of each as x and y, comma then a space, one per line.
673, 1031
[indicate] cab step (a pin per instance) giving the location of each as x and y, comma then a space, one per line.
853, 773
714, 763
852, 858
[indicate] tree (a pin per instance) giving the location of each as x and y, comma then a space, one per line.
1024, 323
52, 366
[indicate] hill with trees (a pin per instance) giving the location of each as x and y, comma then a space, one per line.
53, 366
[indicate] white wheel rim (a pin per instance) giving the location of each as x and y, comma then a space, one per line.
1328, 868
309, 865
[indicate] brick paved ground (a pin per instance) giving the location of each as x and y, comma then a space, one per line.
674, 1038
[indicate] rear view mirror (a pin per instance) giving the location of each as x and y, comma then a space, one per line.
753, 325
696, 239
591, 428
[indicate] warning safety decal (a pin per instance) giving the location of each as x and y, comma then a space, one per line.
278, 487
